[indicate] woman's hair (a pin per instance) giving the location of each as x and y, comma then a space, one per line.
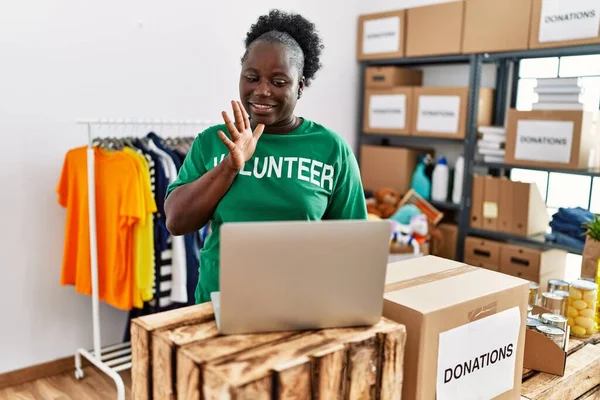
297, 33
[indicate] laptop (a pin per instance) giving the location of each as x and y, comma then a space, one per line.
298, 275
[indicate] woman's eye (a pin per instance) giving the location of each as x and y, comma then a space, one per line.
279, 82
251, 78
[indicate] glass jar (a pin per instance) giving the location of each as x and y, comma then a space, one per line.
581, 312
565, 295
534, 292
598, 305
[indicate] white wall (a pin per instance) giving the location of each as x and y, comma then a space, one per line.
64, 60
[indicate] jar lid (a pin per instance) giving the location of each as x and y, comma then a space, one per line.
584, 284
553, 318
533, 321
551, 296
533, 285
557, 282
550, 330
562, 293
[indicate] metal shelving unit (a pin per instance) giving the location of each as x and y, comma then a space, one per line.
504, 166
507, 75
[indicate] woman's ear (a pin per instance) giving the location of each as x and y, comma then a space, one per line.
301, 85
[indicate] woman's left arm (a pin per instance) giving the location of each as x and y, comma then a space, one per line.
347, 199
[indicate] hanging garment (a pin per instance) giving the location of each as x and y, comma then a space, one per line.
118, 208
179, 267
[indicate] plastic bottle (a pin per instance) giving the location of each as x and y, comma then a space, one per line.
439, 184
420, 183
458, 180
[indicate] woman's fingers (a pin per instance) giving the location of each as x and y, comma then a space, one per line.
237, 114
230, 126
246, 118
226, 141
258, 131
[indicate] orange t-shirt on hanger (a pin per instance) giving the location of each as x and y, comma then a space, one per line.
118, 208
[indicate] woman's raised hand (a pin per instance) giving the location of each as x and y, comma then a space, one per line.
243, 141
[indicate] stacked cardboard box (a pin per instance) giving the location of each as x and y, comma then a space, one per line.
559, 94
491, 144
516, 208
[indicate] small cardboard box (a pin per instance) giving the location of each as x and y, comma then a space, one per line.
482, 253
492, 25
541, 353
388, 111
529, 215
390, 76
550, 138
445, 246
442, 111
434, 30
381, 35
459, 319
564, 23
387, 167
533, 264
477, 201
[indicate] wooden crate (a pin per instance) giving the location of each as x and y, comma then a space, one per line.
580, 381
180, 355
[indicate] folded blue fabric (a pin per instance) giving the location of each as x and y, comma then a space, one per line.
570, 221
565, 240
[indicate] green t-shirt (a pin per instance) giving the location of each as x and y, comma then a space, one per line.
308, 174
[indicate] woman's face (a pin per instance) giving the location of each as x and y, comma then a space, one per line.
270, 85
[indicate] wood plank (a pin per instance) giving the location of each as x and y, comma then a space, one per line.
256, 364
164, 354
582, 373
189, 383
293, 380
363, 360
329, 372
593, 394
142, 331
39, 371
392, 363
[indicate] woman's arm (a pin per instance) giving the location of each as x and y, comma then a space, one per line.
189, 207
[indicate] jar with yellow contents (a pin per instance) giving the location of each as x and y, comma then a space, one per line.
583, 298
598, 303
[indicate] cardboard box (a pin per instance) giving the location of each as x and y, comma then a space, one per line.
533, 264
434, 30
550, 138
492, 25
564, 23
541, 353
482, 253
455, 314
529, 215
445, 246
477, 201
491, 198
387, 167
388, 111
442, 111
389, 77
589, 258
505, 206
381, 35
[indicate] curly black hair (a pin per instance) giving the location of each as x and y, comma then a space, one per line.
294, 31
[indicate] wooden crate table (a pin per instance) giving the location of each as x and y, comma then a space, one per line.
180, 355
581, 380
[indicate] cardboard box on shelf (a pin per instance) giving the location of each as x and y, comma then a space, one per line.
482, 253
533, 264
381, 35
388, 111
505, 206
458, 319
550, 138
529, 215
493, 26
491, 198
477, 201
435, 29
388, 167
442, 111
389, 76
445, 245
564, 23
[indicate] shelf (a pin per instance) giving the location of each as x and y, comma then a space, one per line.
412, 141
431, 60
545, 52
444, 205
593, 173
538, 241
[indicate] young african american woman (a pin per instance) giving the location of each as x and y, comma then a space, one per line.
266, 164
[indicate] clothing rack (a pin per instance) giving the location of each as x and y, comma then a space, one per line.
115, 358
